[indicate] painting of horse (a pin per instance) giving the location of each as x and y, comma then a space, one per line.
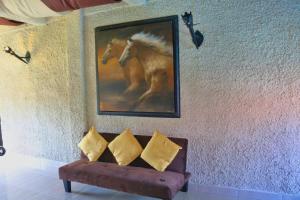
134, 74
138, 69
155, 56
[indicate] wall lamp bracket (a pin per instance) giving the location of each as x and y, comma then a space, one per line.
197, 37
2, 149
25, 59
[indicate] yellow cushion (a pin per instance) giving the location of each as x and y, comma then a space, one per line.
160, 151
93, 144
125, 148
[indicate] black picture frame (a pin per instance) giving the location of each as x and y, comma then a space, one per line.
104, 34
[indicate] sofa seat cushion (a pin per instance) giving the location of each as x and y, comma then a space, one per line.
124, 178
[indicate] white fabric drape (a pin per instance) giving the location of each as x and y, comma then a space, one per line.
28, 11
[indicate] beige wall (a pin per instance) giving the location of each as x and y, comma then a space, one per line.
240, 97
42, 104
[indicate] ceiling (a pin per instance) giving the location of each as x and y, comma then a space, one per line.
17, 14
37, 12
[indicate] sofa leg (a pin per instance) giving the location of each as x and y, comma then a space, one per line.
67, 185
185, 188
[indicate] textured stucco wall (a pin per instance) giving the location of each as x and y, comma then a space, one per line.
39, 112
240, 96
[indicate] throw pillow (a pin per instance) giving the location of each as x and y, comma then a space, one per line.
160, 151
125, 148
93, 144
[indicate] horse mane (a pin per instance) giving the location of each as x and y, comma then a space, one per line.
118, 42
155, 42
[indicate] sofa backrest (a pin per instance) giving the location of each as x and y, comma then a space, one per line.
177, 165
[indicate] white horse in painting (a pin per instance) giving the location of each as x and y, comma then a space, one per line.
155, 55
133, 72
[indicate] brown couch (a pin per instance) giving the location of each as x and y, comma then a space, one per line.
138, 178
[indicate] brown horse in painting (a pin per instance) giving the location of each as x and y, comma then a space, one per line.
155, 56
133, 72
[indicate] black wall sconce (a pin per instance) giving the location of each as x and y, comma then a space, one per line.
2, 149
25, 59
197, 37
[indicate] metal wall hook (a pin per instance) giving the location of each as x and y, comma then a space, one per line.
25, 59
2, 149
197, 37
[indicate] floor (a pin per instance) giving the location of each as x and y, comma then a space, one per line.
27, 178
